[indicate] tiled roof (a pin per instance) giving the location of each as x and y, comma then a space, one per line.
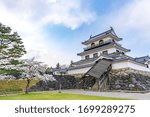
111, 30
81, 66
90, 60
60, 69
142, 59
119, 56
99, 68
115, 57
103, 34
104, 47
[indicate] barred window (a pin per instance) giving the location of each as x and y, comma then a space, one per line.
95, 55
87, 57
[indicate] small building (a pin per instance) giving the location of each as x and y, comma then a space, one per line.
106, 45
60, 71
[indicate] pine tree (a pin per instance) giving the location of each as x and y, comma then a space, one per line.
11, 49
58, 66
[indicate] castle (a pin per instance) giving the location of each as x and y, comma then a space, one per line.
105, 45
105, 65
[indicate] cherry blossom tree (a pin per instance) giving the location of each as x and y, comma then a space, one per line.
34, 69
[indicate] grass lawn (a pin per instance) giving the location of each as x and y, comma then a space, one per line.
14, 86
55, 96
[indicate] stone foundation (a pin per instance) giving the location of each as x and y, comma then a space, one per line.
63, 82
129, 79
122, 79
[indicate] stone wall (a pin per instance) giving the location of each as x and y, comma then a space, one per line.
65, 82
122, 79
129, 79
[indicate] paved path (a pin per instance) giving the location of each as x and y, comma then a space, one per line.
140, 96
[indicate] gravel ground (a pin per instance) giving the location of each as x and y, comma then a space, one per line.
139, 96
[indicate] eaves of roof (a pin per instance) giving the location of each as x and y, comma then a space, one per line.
103, 48
100, 37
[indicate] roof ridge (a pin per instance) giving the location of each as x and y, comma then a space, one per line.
105, 32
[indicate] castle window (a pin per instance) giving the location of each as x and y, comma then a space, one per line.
117, 51
101, 42
92, 45
95, 55
87, 57
105, 52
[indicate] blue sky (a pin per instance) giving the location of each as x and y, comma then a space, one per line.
52, 30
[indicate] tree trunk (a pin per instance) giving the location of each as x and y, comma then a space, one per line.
27, 86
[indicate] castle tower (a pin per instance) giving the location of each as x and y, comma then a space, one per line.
106, 45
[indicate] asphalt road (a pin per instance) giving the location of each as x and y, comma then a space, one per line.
139, 96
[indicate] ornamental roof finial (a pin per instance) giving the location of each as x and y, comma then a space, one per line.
90, 36
111, 28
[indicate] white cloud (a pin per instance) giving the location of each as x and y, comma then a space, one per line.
132, 22
134, 16
70, 14
28, 18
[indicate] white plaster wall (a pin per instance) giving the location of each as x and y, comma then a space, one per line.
149, 65
97, 42
135, 66
78, 71
91, 55
110, 50
107, 39
87, 46
82, 57
120, 65
128, 64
